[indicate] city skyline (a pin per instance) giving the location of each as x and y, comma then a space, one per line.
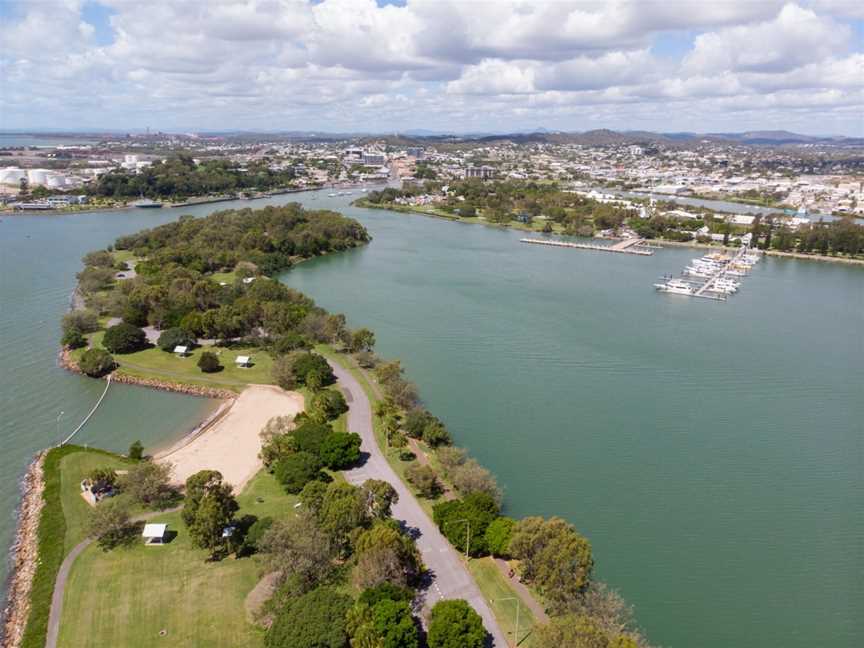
364, 66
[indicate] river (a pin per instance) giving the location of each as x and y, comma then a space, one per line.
712, 452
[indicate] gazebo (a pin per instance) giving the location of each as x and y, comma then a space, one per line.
243, 361
154, 534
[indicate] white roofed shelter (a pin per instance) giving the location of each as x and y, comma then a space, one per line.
181, 350
243, 361
154, 534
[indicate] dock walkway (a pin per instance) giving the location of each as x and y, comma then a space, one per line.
627, 246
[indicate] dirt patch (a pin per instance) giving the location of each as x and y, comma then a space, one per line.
258, 597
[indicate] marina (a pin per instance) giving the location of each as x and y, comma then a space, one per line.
713, 276
627, 246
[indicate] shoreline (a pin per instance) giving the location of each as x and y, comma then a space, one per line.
24, 554
661, 242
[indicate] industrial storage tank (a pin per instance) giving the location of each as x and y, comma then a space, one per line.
37, 176
12, 175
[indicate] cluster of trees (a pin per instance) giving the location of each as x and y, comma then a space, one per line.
839, 237
180, 177
510, 200
296, 451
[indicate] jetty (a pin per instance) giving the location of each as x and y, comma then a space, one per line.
626, 246
714, 276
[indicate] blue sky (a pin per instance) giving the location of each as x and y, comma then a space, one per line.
385, 65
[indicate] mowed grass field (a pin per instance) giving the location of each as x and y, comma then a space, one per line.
161, 365
127, 596
500, 595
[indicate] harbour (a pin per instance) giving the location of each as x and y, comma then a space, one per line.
713, 276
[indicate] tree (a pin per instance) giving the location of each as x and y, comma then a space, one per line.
303, 364
109, 524
309, 435
555, 557
209, 508
329, 404
362, 340
85, 320
386, 624
297, 546
254, 535
314, 620
73, 338
343, 509
385, 555
424, 479
171, 338
455, 624
149, 483
104, 476
276, 440
96, 363
466, 520
339, 450
380, 498
124, 338
435, 434
283, 372
470, 477
208, 362
498, 535
296, 470
415, 422
136, 451
580, 631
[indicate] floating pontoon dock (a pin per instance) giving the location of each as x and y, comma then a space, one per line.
627, 246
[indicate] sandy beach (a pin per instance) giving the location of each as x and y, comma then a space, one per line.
231, 444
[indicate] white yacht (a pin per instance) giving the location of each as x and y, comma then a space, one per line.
675, 286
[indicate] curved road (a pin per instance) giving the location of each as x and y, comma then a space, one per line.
450, 577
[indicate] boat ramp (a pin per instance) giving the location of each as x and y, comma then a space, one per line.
626, 246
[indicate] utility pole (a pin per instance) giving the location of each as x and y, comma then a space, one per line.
518, 609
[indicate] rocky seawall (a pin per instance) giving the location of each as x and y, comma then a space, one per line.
24, 555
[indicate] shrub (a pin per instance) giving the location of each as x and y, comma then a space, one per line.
407, 455
297, 470
254, 535
208, 362
96, 363
73, 338
124, 338
340, 450
424, 479
455, 624
171, 338
283, 372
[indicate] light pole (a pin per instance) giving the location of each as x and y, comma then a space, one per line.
518, 608
59, 416
467, 533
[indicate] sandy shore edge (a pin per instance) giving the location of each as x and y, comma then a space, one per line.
24, 555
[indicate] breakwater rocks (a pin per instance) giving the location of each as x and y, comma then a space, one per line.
24, 555
192, 390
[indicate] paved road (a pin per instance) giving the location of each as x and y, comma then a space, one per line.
63, 575
450, 578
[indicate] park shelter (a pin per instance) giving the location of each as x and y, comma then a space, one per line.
181, 350
243, 361
154, 534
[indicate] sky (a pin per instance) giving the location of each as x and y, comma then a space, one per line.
443, 65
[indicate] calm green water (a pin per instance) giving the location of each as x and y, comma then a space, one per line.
712, 452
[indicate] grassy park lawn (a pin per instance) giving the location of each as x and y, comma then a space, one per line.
125, 597
228, 277
155, 363
125, 256
495, 588
73, 468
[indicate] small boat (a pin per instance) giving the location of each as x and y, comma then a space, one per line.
146, 203
332, 195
